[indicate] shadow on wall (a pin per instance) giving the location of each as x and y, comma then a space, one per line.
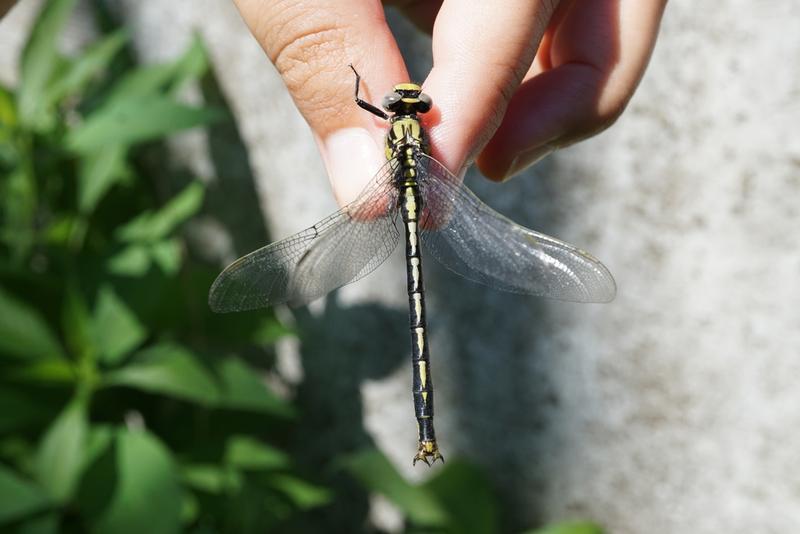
492, 350
341, 349
232, 198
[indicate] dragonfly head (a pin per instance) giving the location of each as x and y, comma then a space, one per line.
407, 99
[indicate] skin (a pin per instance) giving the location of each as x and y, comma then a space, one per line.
512, 80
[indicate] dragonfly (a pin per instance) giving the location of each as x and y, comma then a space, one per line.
414, 196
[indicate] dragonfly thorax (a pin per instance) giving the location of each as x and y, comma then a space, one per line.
405, 138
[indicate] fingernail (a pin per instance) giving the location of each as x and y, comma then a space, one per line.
527, 158
352, 157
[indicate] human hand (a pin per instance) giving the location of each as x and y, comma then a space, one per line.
512, 79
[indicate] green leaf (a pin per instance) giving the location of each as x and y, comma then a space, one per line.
572, 527
61, 453
169, 77
244, 452
98, 172
137, 258
190, 510
259, 327
135, 120
141, 82
243, 389
8, 114
60, 229
19, 198
147, 495
9, 151
84, 68
101, 437
268, 330
40, 60
18, 497
211, 478
28, 409
153, 226
303, 494
376, 473
76, 321
100, 477
46, 524
24, 334
167, 255
170, 370
192, 65
465, 493
133, 260
115, 329
56, 371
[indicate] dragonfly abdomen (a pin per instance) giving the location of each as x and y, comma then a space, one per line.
422, 384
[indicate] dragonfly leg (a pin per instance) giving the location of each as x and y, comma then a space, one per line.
363, 104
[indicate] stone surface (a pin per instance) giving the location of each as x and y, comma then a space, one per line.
674, 409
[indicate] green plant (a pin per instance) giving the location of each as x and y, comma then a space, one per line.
125, 406
457, 499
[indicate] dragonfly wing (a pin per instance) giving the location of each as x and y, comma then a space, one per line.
340, 249
472, 240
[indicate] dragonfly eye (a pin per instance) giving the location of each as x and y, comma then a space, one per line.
391, 100
425, 103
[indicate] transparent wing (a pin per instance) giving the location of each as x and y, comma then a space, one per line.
340, 249
472, 240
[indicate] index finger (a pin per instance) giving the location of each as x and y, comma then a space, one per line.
311, 45
481, 51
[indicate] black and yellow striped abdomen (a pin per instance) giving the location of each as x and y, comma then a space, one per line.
422, 387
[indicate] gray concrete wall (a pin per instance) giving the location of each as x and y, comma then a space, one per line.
676, 408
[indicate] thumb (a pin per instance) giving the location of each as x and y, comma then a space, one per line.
311, 45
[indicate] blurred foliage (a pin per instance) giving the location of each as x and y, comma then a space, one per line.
126, 405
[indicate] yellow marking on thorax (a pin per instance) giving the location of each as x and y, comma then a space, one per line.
406, 126
403, 129
398, 129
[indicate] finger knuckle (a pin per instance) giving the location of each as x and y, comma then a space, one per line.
503, 84
609, 103
507, 76
306, 46
609, 108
